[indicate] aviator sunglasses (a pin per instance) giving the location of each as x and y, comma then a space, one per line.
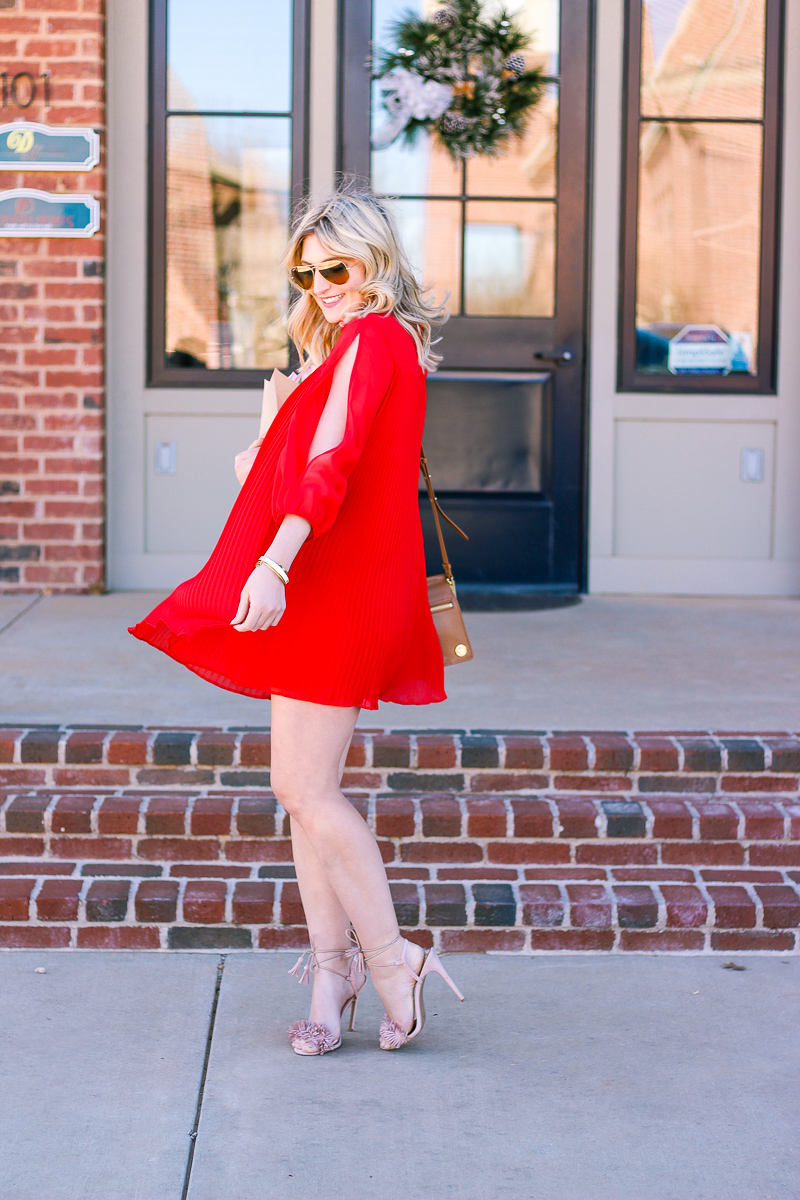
334, 270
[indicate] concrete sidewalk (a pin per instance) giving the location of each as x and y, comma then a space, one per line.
610, 662
565, 1078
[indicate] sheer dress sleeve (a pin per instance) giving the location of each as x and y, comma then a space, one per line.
315, 489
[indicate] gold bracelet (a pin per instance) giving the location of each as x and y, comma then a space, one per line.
275, 567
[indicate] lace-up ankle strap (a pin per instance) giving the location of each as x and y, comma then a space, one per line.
370, 955
313, 960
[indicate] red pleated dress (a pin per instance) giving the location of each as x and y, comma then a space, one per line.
357, 627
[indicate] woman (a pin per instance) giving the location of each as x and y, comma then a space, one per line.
329, 498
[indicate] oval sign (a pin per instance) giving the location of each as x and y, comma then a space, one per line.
33, 147
26, 212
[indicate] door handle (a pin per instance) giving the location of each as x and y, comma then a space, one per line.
561, 358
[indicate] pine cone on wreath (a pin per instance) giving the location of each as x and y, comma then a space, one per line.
453, 122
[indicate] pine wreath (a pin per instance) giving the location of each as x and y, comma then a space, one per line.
460, 76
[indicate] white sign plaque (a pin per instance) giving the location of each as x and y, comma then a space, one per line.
700, 350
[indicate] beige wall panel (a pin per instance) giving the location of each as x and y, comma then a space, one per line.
187, 505
787, 482
322, 98
696, 577
679, 492
605, 193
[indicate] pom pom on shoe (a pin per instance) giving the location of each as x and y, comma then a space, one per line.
308, 1037
392, 1037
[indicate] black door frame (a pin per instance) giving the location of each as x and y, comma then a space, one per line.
511, 343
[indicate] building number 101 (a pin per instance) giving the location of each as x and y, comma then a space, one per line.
20, 89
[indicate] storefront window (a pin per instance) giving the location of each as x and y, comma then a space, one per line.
223, 181
699, 232
483, 231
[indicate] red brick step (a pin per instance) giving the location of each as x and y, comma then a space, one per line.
510, 841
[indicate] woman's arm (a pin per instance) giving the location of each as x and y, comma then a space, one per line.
333, 421
263, 600
326, 441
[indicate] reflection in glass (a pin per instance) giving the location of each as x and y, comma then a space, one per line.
231, 57
386, 12
509, 259
527, 167
699, 233
484, 435
227, 214
430, 231
703, 58
423, 169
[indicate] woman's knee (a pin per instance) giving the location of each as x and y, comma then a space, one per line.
286, 787
308, 742
296, 792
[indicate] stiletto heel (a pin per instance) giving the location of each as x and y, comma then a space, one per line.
392, 1036
353, 1006
310, 1037
433, 963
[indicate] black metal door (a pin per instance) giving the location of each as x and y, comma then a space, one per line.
508, 238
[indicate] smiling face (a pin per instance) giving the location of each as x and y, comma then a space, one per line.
334, 299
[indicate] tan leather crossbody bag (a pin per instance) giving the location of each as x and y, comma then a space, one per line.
445, 608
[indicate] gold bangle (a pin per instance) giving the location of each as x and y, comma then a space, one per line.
275, 567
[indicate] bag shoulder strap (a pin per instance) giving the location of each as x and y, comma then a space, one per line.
437, 512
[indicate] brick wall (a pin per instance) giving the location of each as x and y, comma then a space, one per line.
51, 321
526, 843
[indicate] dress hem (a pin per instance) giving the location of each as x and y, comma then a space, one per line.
161, 637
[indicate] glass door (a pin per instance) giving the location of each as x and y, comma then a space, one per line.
505, 238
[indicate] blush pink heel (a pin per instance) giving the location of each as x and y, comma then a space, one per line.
310, 1037
392, 1036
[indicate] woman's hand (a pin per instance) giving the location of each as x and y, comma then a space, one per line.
245, 459
262, 603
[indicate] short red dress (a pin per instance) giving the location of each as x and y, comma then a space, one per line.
357, 627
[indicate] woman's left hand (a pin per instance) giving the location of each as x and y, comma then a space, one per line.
243, 462
262, 603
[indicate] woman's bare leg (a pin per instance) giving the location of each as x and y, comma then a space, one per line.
327, 930
328, 924
330, 921
340, 872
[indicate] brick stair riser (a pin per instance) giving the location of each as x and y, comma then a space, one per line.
502, 855
702, 763
540, 875
499, 830
182, 906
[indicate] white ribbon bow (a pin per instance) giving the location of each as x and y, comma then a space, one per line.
406, 96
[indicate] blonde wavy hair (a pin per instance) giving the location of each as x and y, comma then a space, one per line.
352, 223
